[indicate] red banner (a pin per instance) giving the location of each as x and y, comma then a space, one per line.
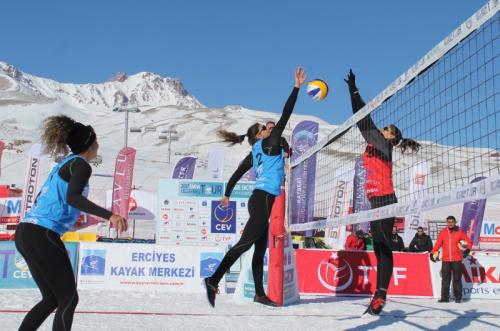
2, 145
354, 273
122, 183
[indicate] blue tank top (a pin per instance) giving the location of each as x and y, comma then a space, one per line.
51, 209
269, 170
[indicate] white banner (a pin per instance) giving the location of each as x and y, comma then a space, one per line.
489, 238
10, 210
245, 288
216, 163
143, 205
31, 180
480, 277
335, 236
145, 267
190, 213
470, 192
418, 184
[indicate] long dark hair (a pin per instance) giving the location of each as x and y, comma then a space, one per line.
55, 134
234, 138
402, 143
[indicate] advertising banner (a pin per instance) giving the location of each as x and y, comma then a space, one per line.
184, 169
339, 206
122, 182
472, 217
490, 235
304, 136
418, 184
189, 212
216, 163
145, 267
31, 180
10, 210
353, 273
14, 272
480, 276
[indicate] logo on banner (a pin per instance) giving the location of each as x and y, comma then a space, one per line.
20, 263
93, 262
335, 274
132, 204
223, 218
209, 262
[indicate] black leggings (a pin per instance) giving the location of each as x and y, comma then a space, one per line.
50, 267
255, 232
382, 245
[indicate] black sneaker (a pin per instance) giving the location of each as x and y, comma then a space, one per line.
442, 300
211, 291
264, 300
458, 300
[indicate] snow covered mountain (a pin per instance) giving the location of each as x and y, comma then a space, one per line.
25, 100
144, 88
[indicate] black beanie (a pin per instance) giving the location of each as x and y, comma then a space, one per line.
80, 138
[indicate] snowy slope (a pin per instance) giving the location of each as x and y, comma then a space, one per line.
26, 100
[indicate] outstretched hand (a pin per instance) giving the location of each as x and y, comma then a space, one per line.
351, 81
300, 76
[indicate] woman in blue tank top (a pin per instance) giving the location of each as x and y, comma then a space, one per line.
267, 161
62, 197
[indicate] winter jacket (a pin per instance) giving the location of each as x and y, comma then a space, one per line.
421, 243
354, 243
397, 243
448, 240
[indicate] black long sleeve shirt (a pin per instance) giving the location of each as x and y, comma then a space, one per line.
77, 173
271, 145
369, 130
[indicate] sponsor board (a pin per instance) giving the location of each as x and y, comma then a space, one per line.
480, 277
146, 267
340, 273
14, 272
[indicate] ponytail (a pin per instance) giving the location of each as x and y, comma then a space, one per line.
55, 134
233, 138
406, 143
230, 137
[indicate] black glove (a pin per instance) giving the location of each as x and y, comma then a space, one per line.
466, 253
351, 81
431, 256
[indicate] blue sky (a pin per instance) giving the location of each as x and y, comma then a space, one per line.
231, 52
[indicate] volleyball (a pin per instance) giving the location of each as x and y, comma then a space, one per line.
317, 89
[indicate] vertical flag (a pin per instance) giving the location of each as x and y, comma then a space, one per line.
304, 136
122, 183
418, 183
216, 163
31, 180
184, 169
335, 236
360, 200
472, 217
2, 146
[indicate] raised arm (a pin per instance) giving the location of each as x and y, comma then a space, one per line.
368, 129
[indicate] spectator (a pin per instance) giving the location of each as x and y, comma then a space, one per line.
449, 239
369, 241
421, 242
397, 241
355, 241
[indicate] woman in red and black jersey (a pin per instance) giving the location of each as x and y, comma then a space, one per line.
379, 187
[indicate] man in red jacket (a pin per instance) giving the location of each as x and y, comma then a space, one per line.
449, 239
355, 241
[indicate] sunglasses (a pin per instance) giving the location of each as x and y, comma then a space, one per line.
264, 128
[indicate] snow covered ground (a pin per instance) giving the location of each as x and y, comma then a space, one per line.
107, 310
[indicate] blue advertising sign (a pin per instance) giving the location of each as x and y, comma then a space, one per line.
223, 219
14, 271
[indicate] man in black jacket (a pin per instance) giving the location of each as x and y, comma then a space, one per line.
421, 242
397, 241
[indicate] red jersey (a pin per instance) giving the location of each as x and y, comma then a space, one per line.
378, 173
